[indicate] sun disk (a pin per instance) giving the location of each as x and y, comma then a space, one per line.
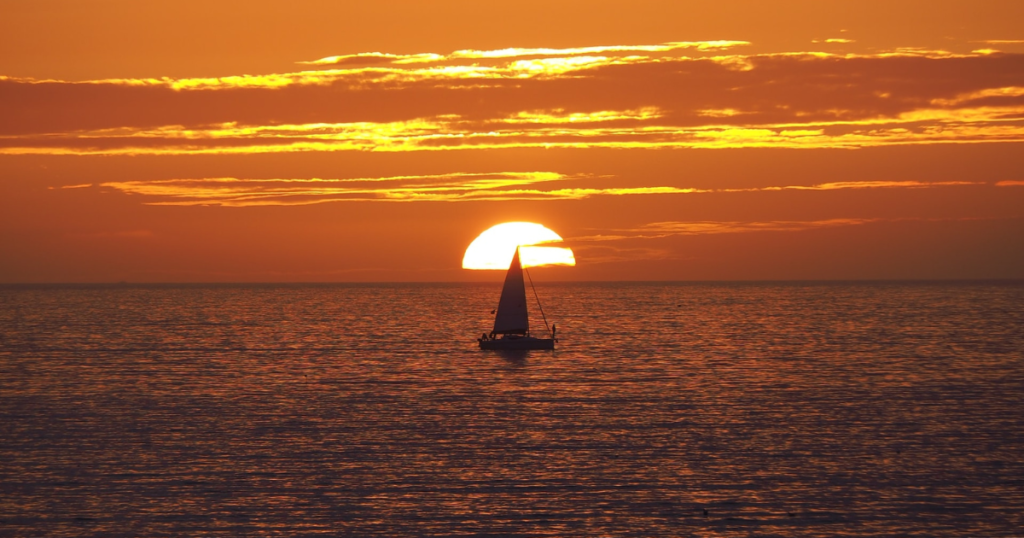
494, 248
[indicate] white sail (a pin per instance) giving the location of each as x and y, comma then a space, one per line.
512, 317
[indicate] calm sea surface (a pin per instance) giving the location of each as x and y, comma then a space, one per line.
366, 410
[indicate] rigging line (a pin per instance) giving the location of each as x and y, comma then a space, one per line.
541, 307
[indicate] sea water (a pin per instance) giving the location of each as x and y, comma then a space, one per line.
793, 409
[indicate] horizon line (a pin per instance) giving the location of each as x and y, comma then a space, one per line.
124, 283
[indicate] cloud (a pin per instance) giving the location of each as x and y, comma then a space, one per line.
367, 58
841, 185
594, 253
235, 192
371, 58
672, 95
661, 230
534, 129
1006, 94
454, 187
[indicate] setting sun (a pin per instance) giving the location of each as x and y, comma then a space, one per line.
230, 289
493, 249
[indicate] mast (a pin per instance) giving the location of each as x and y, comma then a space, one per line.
512, 317
539, 306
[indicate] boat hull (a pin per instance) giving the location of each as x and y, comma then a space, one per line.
523, 343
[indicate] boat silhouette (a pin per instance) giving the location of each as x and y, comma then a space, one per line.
511, 320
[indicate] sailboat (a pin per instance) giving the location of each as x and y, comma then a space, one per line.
511, 322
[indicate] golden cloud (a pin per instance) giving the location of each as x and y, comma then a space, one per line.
455, 187
640, 96
440, 134
514, 52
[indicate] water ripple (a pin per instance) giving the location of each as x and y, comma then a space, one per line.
780, 409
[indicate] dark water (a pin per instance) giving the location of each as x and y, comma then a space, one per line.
783, 410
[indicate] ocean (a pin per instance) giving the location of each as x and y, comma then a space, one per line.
668, 409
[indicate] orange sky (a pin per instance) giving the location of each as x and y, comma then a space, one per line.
258, 141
